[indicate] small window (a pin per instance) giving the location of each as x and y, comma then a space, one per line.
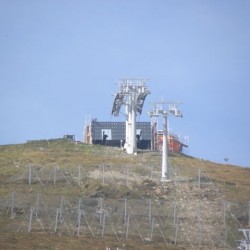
138, 134
107, 134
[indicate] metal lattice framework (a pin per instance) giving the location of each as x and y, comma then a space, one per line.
132, 93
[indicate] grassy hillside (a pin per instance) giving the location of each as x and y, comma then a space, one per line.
234, 181
58, 168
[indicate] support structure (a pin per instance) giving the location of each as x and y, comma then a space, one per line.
164, 109
132, 93
245, 243
164, 167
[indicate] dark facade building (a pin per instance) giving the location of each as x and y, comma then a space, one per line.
113, 134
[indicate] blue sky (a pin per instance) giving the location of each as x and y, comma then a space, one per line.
59, 61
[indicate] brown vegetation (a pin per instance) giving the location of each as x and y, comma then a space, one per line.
135, 177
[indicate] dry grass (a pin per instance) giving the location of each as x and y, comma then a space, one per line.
62, 242
233, 181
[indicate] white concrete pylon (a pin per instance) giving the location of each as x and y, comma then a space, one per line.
164, 172
160, 110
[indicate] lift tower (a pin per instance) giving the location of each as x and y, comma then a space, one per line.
164, 109
131, 93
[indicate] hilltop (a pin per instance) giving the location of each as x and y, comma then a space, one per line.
106, 198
